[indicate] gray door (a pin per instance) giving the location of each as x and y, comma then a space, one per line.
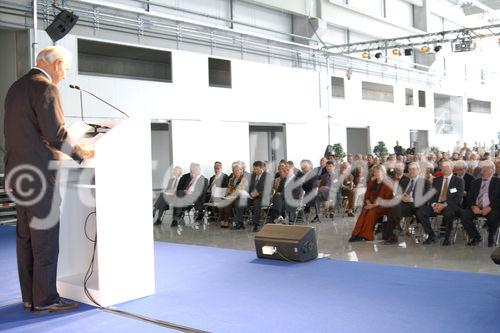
358, 140
267, 143
419, 139
161, 153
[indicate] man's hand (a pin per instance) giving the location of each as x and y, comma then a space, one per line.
438, 208
406, 198
476, 210
486, 211
254, 194
87, 152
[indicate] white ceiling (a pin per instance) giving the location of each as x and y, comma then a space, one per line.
493, 4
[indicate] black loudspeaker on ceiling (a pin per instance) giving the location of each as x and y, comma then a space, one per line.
62, 24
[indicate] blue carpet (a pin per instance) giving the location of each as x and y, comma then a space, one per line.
222, 290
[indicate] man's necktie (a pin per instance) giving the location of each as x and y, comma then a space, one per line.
409, 189
482, 193
444, 192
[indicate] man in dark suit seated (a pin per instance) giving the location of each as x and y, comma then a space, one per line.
414, 189
278, 208
483, 200
324, 189
446, 202
309, 183
460, 170
162, 202
292, 193
191, 189
219, 179
259, 191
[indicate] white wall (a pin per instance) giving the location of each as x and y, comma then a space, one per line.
211, 124
8, 70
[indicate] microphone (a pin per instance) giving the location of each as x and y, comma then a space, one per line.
74, 86
81, 99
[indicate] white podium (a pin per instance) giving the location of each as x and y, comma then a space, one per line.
117, 186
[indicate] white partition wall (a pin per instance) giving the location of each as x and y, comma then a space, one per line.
116, 185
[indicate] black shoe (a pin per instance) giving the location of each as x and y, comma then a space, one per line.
255, 228
316, 219
157, 222
27, 306
446, 242
174, 224
474, 241
59, 306
429, 240
355, 239
239, 226
350, 214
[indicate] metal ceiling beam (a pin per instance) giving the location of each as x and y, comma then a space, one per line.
415, 40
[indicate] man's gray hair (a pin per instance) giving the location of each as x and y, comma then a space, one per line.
414, 165
489, 164
308, 162
50, 54
460, 164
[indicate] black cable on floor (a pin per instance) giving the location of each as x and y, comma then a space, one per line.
127, 314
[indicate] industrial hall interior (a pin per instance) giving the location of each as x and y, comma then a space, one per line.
244, 166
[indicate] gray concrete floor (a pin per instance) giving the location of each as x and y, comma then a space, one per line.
332, 242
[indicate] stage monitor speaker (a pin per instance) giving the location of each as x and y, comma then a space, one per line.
63, 23
495, 256
286, 242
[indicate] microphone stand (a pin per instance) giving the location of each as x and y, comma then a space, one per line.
81, 106
99, 98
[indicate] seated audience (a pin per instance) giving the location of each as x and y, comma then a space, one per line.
236, 183
414, 187
377, 188
325, 188
347, 187
161, 203
483, 200
309, 184
292, 192
278, 207
219, 179
259, 191
459, 170
446, 202
191, 189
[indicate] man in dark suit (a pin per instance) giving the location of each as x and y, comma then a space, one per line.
219, 179
460, 170
309, 183
292, 193
497, 167
483, 200
259, 191
411, 193
34, 136
191, 189
326, 184
446, 202
398, 150
162, 202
